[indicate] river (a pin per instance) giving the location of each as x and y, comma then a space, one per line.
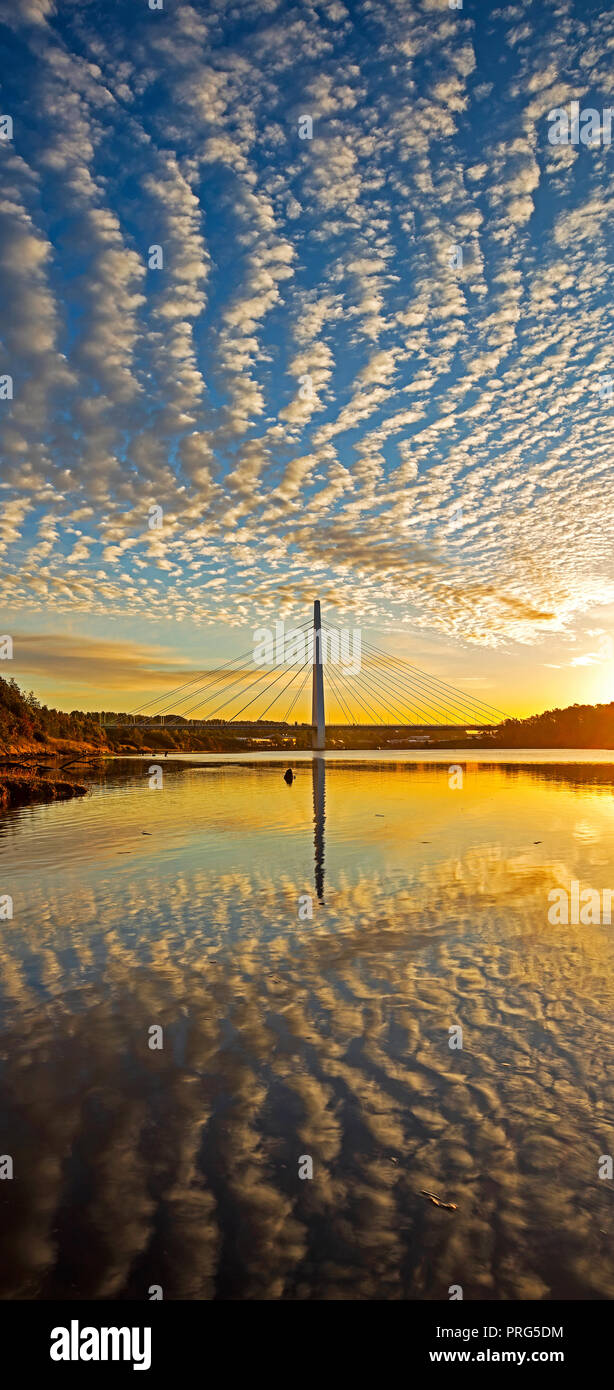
306, 954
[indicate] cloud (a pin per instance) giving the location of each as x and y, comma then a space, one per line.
316, 378
87, 661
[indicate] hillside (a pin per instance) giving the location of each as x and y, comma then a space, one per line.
28, 726
577, 726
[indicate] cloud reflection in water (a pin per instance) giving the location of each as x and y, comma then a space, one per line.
328, 1037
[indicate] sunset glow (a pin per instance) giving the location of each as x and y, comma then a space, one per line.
258, 358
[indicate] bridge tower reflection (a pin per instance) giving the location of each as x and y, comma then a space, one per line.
318, 772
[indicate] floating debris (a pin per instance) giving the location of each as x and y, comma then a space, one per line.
432, 1196
288, 776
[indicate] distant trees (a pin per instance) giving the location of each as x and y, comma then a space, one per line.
576, 726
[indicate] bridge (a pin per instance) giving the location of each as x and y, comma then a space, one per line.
363, 685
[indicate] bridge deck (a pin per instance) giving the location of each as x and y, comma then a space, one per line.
275, 725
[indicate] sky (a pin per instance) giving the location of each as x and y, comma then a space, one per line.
366, 359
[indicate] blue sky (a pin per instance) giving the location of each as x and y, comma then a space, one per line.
318, 394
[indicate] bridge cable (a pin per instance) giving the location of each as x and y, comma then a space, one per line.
156, 700
261, 692
401, 664
375, 685
391, 687
401, 677
203, 677
285, 687
382, 700
359, 698
466, 698
239, 679
341, 703
298, 693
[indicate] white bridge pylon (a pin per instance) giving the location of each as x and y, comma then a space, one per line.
318, 721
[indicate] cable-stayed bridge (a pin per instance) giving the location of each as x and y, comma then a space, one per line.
350, 684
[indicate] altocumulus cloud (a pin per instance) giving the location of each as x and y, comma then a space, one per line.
313, 347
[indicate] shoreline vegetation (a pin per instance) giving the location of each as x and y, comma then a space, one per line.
20, 786
37, 744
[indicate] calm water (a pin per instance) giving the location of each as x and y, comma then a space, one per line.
325, 1037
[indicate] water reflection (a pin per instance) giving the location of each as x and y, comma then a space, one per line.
328, 1037
319, 800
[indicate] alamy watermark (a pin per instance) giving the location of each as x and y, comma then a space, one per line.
586, 127
76, 1343
287, 647
589, 907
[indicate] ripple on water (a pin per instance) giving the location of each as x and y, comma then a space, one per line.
326, 1037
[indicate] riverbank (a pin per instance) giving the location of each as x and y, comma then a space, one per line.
21, 786
30, 750
157, 742
353, 738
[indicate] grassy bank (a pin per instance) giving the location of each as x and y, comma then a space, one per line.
21, 786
